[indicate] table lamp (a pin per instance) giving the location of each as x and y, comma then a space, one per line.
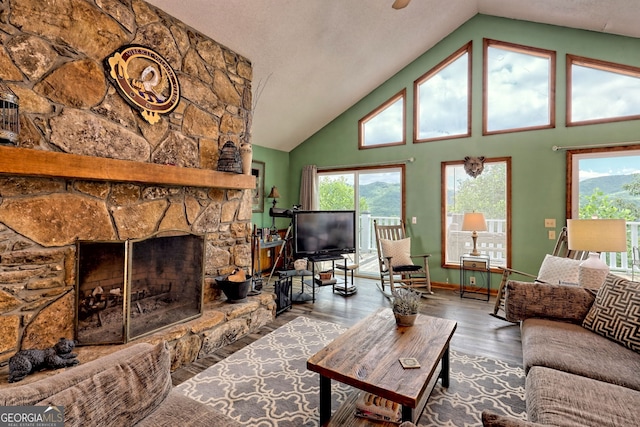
275, 195
594, 236
474, 221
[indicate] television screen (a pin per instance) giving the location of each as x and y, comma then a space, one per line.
323, 233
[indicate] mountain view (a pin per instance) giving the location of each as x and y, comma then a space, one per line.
611, 185
382, 198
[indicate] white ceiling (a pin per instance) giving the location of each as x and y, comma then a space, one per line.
313, 59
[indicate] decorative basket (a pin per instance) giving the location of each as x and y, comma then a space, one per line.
325, 275
234, 291
230, 160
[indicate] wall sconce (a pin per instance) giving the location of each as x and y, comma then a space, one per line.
596, 235
9, 118
474, 221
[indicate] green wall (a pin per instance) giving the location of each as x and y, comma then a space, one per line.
538, 179
276, 172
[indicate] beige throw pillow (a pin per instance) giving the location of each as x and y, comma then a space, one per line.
557, 270
615, 314
399, 250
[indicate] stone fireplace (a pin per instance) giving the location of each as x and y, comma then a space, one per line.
88, 167
126, 290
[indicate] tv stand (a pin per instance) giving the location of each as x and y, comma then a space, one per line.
347, 290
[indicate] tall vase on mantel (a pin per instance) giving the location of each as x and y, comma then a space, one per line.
246, 154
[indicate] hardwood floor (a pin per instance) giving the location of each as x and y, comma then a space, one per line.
477, 333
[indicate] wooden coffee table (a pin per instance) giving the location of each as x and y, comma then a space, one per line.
367, 357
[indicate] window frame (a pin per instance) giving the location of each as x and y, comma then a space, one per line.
363, 121
597, 64
443, 212
528, 50
466, 49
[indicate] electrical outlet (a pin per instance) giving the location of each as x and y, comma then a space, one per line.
472, 280
549, 222
414, 220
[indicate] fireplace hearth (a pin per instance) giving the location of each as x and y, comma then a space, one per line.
129, 289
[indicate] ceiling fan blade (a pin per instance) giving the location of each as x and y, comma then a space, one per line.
400, 4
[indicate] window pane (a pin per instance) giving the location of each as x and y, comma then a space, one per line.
486, 194
378, 193
384, 125
443, 101
601, 94
605, 183
518, 90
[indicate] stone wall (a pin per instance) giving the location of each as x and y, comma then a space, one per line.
52, 58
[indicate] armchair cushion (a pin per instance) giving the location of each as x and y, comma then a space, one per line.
615, 313
558, 270
398, 250
566, 303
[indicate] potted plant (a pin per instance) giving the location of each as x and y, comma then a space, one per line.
405, 306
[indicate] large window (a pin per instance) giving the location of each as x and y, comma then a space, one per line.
375, 194
488, 193
600, 91
443, 99
519, 88
384, 126
605, 183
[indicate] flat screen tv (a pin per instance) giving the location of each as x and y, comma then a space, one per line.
323, 233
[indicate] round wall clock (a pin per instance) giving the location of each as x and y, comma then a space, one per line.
145, 80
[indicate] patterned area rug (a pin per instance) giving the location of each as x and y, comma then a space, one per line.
267, 383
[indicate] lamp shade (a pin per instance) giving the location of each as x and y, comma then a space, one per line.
474, 221
597, 235
273, 194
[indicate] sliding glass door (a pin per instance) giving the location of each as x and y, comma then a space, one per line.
375, 194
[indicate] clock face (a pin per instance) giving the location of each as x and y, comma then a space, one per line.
145, 80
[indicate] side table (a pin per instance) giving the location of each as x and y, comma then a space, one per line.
347, 289
475, 271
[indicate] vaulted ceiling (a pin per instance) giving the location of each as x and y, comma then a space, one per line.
313, 59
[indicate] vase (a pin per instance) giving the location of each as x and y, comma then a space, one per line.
405, 319
246, 155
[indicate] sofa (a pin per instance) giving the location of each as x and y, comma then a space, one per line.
581, 353
130, 387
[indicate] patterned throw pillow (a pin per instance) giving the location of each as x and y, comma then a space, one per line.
399, 250
556, 270
615, 314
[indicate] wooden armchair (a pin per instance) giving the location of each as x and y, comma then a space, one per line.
396, 262
561, 249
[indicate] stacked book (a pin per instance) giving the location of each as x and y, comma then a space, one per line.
377, 408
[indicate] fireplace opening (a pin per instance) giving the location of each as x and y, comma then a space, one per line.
128, 289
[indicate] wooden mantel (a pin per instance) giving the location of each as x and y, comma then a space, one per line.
28, 162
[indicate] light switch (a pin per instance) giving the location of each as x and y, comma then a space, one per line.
550, 223
552, 234
414, 220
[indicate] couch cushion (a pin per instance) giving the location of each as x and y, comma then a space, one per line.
179, 410
122, 394
572, 348
31, 393
558, 398
615, 314
558, 270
